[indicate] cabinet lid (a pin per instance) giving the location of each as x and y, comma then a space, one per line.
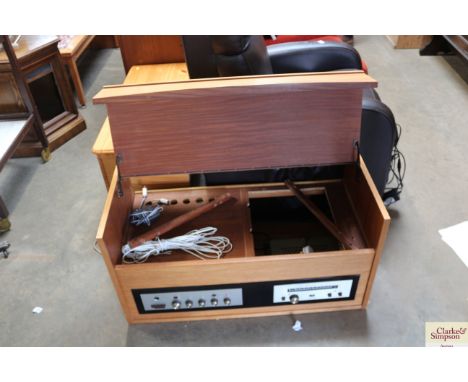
236, 123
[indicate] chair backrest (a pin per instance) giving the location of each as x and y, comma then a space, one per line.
237, 55
225, 56
313, 56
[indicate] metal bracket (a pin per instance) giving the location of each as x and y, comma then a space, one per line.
358, 153
357, 161
118, 161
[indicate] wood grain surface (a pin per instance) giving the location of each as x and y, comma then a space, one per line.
355, 192
143, 50
236, 124
346, 79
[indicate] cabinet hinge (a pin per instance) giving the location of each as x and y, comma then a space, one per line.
118, 161
357, 160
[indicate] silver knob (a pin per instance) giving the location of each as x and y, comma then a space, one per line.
214, 301
227, 301
201, 302
294, 299
188, 303
176, 304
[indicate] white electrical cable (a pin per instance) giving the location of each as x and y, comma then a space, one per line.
199, 243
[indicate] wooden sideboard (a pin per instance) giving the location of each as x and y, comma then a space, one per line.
40, 62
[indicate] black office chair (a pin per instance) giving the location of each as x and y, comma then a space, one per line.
224, 56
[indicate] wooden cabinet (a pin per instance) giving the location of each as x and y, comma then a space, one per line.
145, 50
236, 124
40, 61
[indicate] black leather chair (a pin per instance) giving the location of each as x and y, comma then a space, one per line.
224, 56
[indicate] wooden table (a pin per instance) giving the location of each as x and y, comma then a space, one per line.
70, 54
103, 147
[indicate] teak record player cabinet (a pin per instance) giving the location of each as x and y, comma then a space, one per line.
231, 124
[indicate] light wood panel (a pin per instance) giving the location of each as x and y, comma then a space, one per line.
333, 80
113, 225
245, 269
103, 144
110, 234
408, 41
147, 74
245, 312
371, 212
144, 50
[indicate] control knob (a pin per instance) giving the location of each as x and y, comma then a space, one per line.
201, 302
227, 301
294, 299
176, 304
188, 303
214, 301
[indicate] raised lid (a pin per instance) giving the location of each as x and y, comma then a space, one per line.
236, 123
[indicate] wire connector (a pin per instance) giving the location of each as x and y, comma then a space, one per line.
145, 214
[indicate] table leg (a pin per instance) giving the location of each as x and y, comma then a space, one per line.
75, 75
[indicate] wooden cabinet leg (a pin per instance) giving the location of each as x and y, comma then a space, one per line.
75, 75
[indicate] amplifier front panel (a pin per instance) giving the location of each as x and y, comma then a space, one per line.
247, 295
